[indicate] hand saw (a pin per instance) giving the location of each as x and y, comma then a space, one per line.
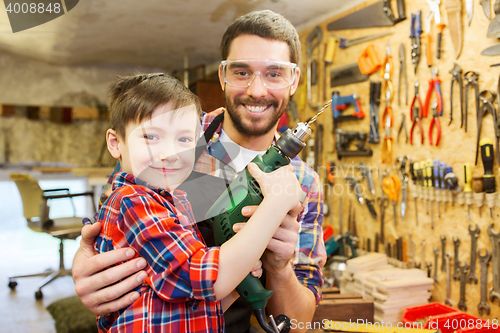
379, 14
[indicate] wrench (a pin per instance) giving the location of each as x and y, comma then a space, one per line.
456, 264
448, 300
436, 256
484, 261
463, 272
474, 234
495, 243
422, 258
443, 246
429, 266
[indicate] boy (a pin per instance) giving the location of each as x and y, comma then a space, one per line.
154, 124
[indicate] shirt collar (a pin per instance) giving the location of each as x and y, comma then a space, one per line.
124, 178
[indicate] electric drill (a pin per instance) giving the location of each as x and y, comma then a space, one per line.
245, 191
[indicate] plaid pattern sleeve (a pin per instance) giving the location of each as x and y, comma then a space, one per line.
178, 293
310, 253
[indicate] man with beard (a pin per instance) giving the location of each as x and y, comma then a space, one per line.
258, 75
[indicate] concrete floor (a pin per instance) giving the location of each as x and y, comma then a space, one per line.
24, 252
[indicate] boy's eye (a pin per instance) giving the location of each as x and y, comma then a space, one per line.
150, 137
185, 139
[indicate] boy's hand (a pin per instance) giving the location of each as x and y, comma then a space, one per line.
93, 277
281, 248
257, 269
280, 185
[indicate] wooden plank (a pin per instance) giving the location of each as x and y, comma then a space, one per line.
341, 296
344, 310
330, 290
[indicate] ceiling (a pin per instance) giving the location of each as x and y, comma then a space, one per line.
149, 33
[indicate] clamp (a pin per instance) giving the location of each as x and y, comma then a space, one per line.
487, 107
435, 123
415, 32
471, 78
416, 114
434, 84
375, 88
456, 72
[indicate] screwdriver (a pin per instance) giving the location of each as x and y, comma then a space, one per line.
478, 192
448, 193
444, 193
487, 156
414, 188
437, 187
425, 193
430, 191
467, 187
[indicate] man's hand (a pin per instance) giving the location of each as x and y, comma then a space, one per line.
93, 277
281, 248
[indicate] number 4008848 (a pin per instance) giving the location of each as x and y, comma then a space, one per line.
456, 324
33, 8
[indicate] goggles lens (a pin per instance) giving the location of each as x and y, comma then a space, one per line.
273, 74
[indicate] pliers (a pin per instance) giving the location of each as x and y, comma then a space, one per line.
434, 84
471, 78
435, 122
457, 76
487, 107
416, 114
403, 127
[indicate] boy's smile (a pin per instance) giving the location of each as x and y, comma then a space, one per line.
160, 151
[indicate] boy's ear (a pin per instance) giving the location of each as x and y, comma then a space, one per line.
113, 141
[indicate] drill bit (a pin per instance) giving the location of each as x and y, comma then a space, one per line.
313, 119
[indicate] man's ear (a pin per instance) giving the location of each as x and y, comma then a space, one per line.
295, 83
113, 141
221, 81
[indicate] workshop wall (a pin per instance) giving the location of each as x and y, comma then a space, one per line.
455, 148
26, 82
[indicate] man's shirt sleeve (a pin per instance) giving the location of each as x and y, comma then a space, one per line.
181, 266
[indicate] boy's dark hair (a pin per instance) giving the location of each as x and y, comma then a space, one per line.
135, 98
265, 24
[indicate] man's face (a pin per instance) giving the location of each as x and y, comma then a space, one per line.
161, 151
256, 109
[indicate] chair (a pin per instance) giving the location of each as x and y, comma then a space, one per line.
36, 211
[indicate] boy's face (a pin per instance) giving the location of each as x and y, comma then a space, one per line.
256, 109
159, 151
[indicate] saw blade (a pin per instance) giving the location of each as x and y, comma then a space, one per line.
486, 8
492, 50
368, 17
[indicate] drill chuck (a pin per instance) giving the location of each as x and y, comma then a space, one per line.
294, 140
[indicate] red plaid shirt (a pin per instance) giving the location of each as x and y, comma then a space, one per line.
178, 294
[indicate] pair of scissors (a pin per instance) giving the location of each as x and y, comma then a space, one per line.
391, 186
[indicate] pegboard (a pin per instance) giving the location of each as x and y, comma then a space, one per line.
455, 148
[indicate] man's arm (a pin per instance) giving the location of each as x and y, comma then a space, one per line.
92, 284
290, 297
296, 287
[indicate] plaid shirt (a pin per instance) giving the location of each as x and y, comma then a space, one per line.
310, 253
178, 294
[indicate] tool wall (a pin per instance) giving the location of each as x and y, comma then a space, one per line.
436, 208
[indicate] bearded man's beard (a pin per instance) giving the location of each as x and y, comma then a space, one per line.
253, 130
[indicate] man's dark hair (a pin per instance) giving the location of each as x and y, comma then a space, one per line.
135, 98
265, 24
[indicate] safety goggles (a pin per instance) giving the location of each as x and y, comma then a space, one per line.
273, 74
